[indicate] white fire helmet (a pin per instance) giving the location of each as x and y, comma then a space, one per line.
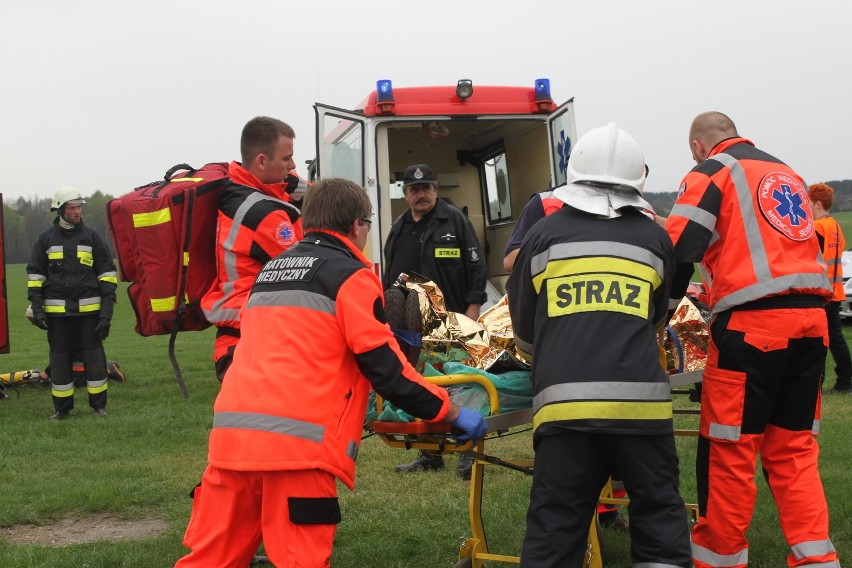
610, 156
64, 195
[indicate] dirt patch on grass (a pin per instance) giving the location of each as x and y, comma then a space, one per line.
78, 530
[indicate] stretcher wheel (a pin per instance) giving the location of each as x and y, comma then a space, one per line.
464, 563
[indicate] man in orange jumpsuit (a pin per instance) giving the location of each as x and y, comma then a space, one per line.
288, 419
744, 215
832, 242
256, 222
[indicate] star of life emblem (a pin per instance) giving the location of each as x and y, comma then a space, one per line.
284, 234
784, 203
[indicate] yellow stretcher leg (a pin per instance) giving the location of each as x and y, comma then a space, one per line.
474, 550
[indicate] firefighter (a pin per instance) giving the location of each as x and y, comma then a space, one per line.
71, 281
587, 290
255, 223
832, 243
288, 419
744, 216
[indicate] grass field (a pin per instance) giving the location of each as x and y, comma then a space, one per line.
143, 458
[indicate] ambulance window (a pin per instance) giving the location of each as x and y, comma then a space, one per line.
342, 153
496, 175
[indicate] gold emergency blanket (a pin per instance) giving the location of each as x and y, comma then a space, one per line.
686, 338
450, 336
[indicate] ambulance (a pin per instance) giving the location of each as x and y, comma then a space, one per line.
492, 148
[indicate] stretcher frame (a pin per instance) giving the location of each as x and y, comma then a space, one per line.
435, 437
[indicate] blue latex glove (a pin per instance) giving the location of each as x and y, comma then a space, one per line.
468, 426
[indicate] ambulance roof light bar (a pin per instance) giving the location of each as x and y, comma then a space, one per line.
384, 96
543, 100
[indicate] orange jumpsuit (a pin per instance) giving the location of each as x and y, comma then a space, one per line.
288, 420
745, 216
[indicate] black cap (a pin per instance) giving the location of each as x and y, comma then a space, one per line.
418, 173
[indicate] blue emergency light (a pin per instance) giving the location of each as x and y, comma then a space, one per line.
542, 90
543, 101
384, 89
384, 96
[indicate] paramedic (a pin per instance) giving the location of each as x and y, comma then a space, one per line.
597, 272
434, 239
833, 244
744, 216
288, 420
256, 222
71, 282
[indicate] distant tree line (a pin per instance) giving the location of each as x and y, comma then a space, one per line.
662, 202
24, 219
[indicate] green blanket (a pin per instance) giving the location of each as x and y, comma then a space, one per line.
513, 388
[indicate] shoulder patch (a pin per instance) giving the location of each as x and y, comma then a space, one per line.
285, 235
784, 203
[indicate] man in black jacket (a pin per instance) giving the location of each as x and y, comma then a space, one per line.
71, 281
436, 240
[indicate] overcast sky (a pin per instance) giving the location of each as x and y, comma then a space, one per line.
109, 94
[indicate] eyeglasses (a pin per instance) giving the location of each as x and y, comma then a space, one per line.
368, 222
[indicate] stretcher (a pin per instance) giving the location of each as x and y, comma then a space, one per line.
435, 437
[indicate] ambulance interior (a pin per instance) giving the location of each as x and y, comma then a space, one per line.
489, 168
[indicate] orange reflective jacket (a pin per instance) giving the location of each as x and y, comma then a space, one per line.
746, 217
833, 244
313, 341
255, 224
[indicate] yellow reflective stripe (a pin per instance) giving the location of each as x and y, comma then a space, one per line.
54, 255
89, 308
186, 179
62, 393
610, 264
96, 390
153, 218
112, 279
84, 254
186, 258
35, 283
163, 304
54, 309
590, 410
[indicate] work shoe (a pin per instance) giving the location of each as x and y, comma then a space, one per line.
100, 412
113, 371
838, 389
60, 415
465, 466
424, 462
614, 521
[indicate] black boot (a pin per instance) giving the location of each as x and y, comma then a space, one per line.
465, 466
424, 462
